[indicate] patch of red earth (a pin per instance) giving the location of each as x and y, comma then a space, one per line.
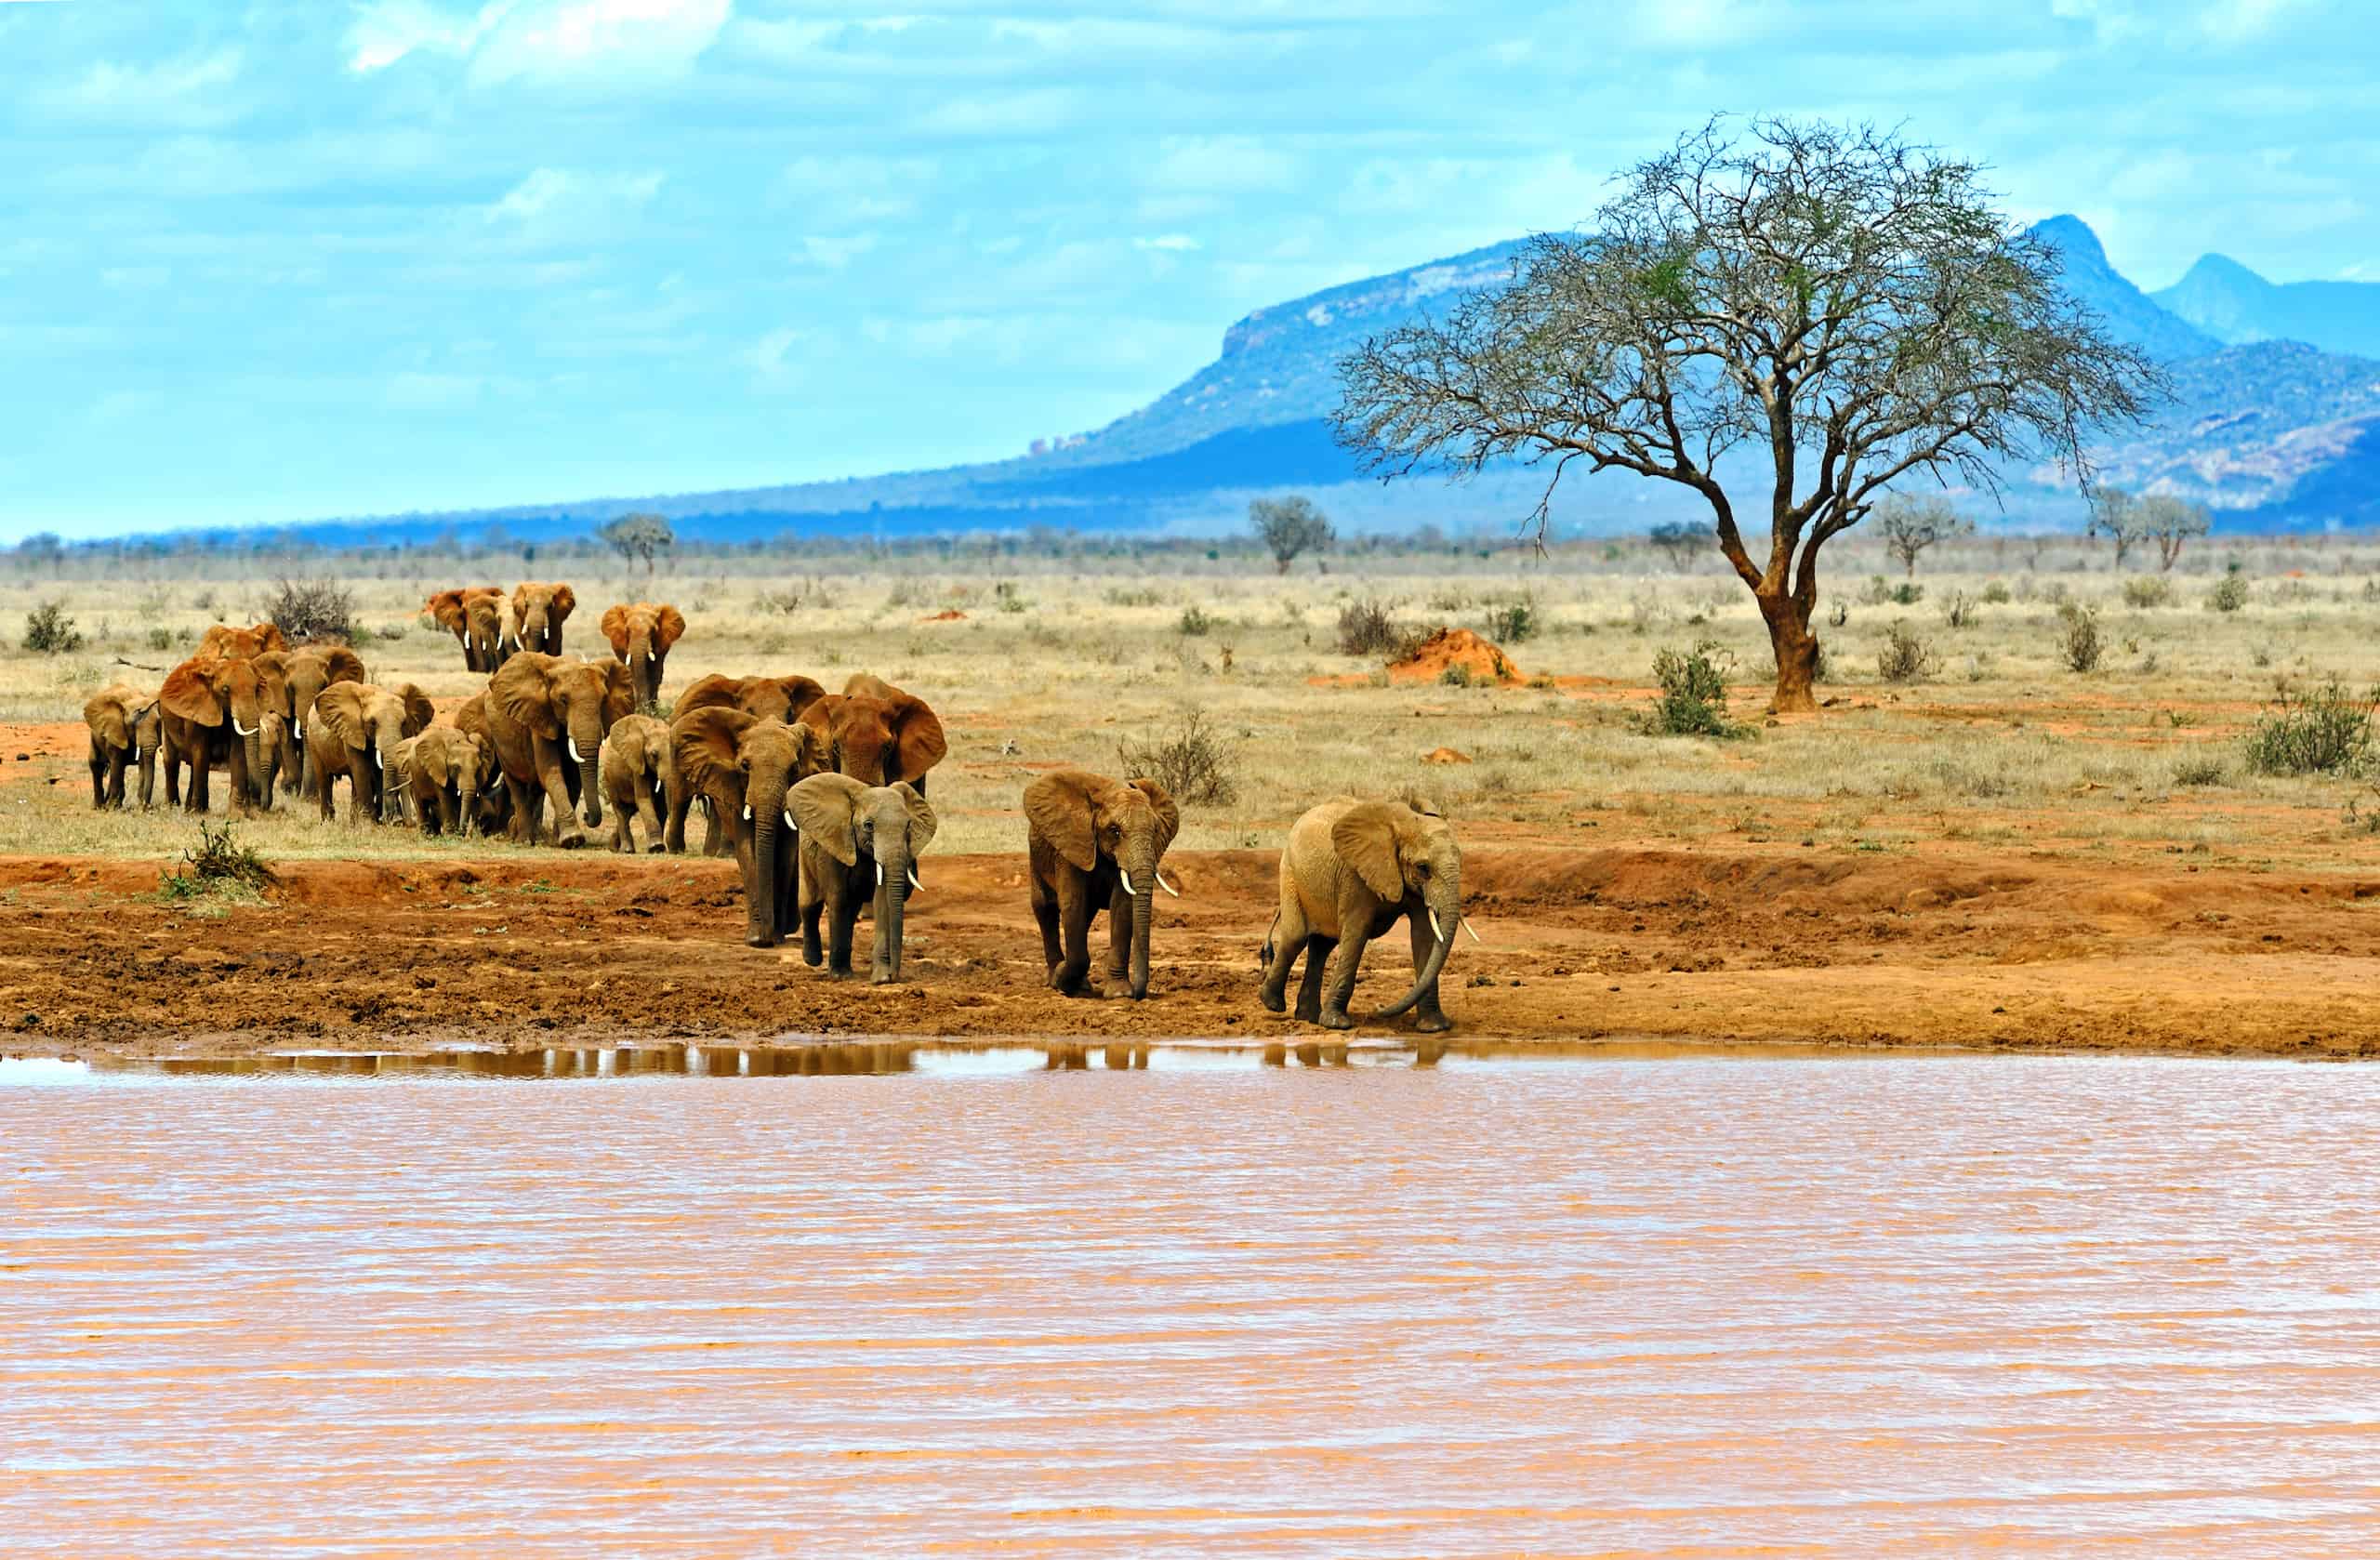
1449, 648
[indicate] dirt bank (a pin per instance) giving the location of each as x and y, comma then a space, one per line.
1959, 946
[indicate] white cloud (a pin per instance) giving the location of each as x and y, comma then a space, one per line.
386, 32
2233, 21
541, 40
556, 206
432, 392
189, 90
1225, 163
766, 357
1172, 243
833, 253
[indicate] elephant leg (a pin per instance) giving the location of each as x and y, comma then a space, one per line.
715, 833
623, 837
814, 951
523, 828
1289, 941
1339, 978
173, 767
1045, 910
680, 799
558, 778
1318, 956
99, 781
198, 800
1428, 1017
1119, 942
648, 811
1075, 910
322, 795
845, 911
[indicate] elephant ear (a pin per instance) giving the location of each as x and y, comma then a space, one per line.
344, 665
447, 608
615, 624
711, 690
669, 627
810, 752
419, 711
705, 746
1168, 816
821, 811
270, 636
108, 713
619, 692
922, 822
819, 715
339, 711
917, 736
1058, 805
561, 602
189, 693
800, 692
470, 717
521, 692
1366, 840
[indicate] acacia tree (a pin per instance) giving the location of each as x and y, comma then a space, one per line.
639, 535
1847, 306
1289, 526
1910, 525
2169, 522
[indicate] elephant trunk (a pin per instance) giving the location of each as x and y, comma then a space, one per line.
1141, 875
644, 669
1443, 907
892, 902
764, 842
586, 743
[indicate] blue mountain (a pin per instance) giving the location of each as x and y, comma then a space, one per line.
2233, 304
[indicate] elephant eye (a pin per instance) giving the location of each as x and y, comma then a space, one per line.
1423, 869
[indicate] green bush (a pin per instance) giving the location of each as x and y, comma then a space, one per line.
2230, 593
2148, 590
161, 639
218, 865
2080, 643
1694, 693
1904, 657
2319, 730
48, 631
1995, 594
1456, 674
1514, 621
2202, 769
1195, 623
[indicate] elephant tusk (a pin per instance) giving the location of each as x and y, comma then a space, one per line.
1436, 930
1168, 887
244, 731
747, 812
467, 638
1129, 888
300, 729
1466, 926
880, 874
790, 823
573, 741
915, 886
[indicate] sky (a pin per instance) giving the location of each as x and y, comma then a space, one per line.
268, 262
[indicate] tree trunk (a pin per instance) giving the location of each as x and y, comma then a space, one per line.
1796, 650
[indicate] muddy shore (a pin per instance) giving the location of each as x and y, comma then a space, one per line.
1974, 948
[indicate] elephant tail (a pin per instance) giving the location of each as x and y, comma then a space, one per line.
1265, 953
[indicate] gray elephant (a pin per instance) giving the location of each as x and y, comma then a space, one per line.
858, 842
1094, 844
636, 771
124, 730
541, 710
442, 779
353, 733
1354, 869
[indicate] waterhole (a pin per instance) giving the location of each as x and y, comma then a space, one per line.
729, 1304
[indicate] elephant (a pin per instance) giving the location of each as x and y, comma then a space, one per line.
765, 699
396, 781
1352, 869
354, 733
124, 729
212, 714
537, 612
642, 636
443, 781
241, 644
293, 679
636, 776
541, 708
495, 801
877, 734
857, 840
1094, 844
473, 615
745, 769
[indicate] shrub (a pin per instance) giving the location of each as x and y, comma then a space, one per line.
48, 631
1365, 629
312, 608
1191, 762
1456, 674
1514, 621
217, 863
1995, 594
1194, 622
1694, 693
1903, 656
2080, 643
2321, 730
2230, 592
1960, 610
2202, 769
161, 639
2148, 590
1005, 592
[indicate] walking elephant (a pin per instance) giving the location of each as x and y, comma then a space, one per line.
641, 635
878, 734
859, 843
495, 801
549, 715
1353, 871
475, 616
1094, 844
124, 728
445, 778
636, 778
293, 679
745, 769
211, 712
353, 734
538, 614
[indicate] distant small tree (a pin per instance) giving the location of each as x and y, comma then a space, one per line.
1289, 526
1682, 542
42, 546
639, 535
2169, 522
1910, 525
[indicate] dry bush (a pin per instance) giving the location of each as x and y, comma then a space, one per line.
313, 609
2080, 643
1192, 762
1903, 656
48, 631
1365, 629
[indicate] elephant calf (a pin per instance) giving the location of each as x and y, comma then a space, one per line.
1094, 844
857, 841
124, 729
1354, 869
443, 773
636, 778
353, 734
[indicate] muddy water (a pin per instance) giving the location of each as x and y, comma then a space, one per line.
1682, 1306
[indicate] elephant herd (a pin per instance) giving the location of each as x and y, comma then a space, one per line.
820, 798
